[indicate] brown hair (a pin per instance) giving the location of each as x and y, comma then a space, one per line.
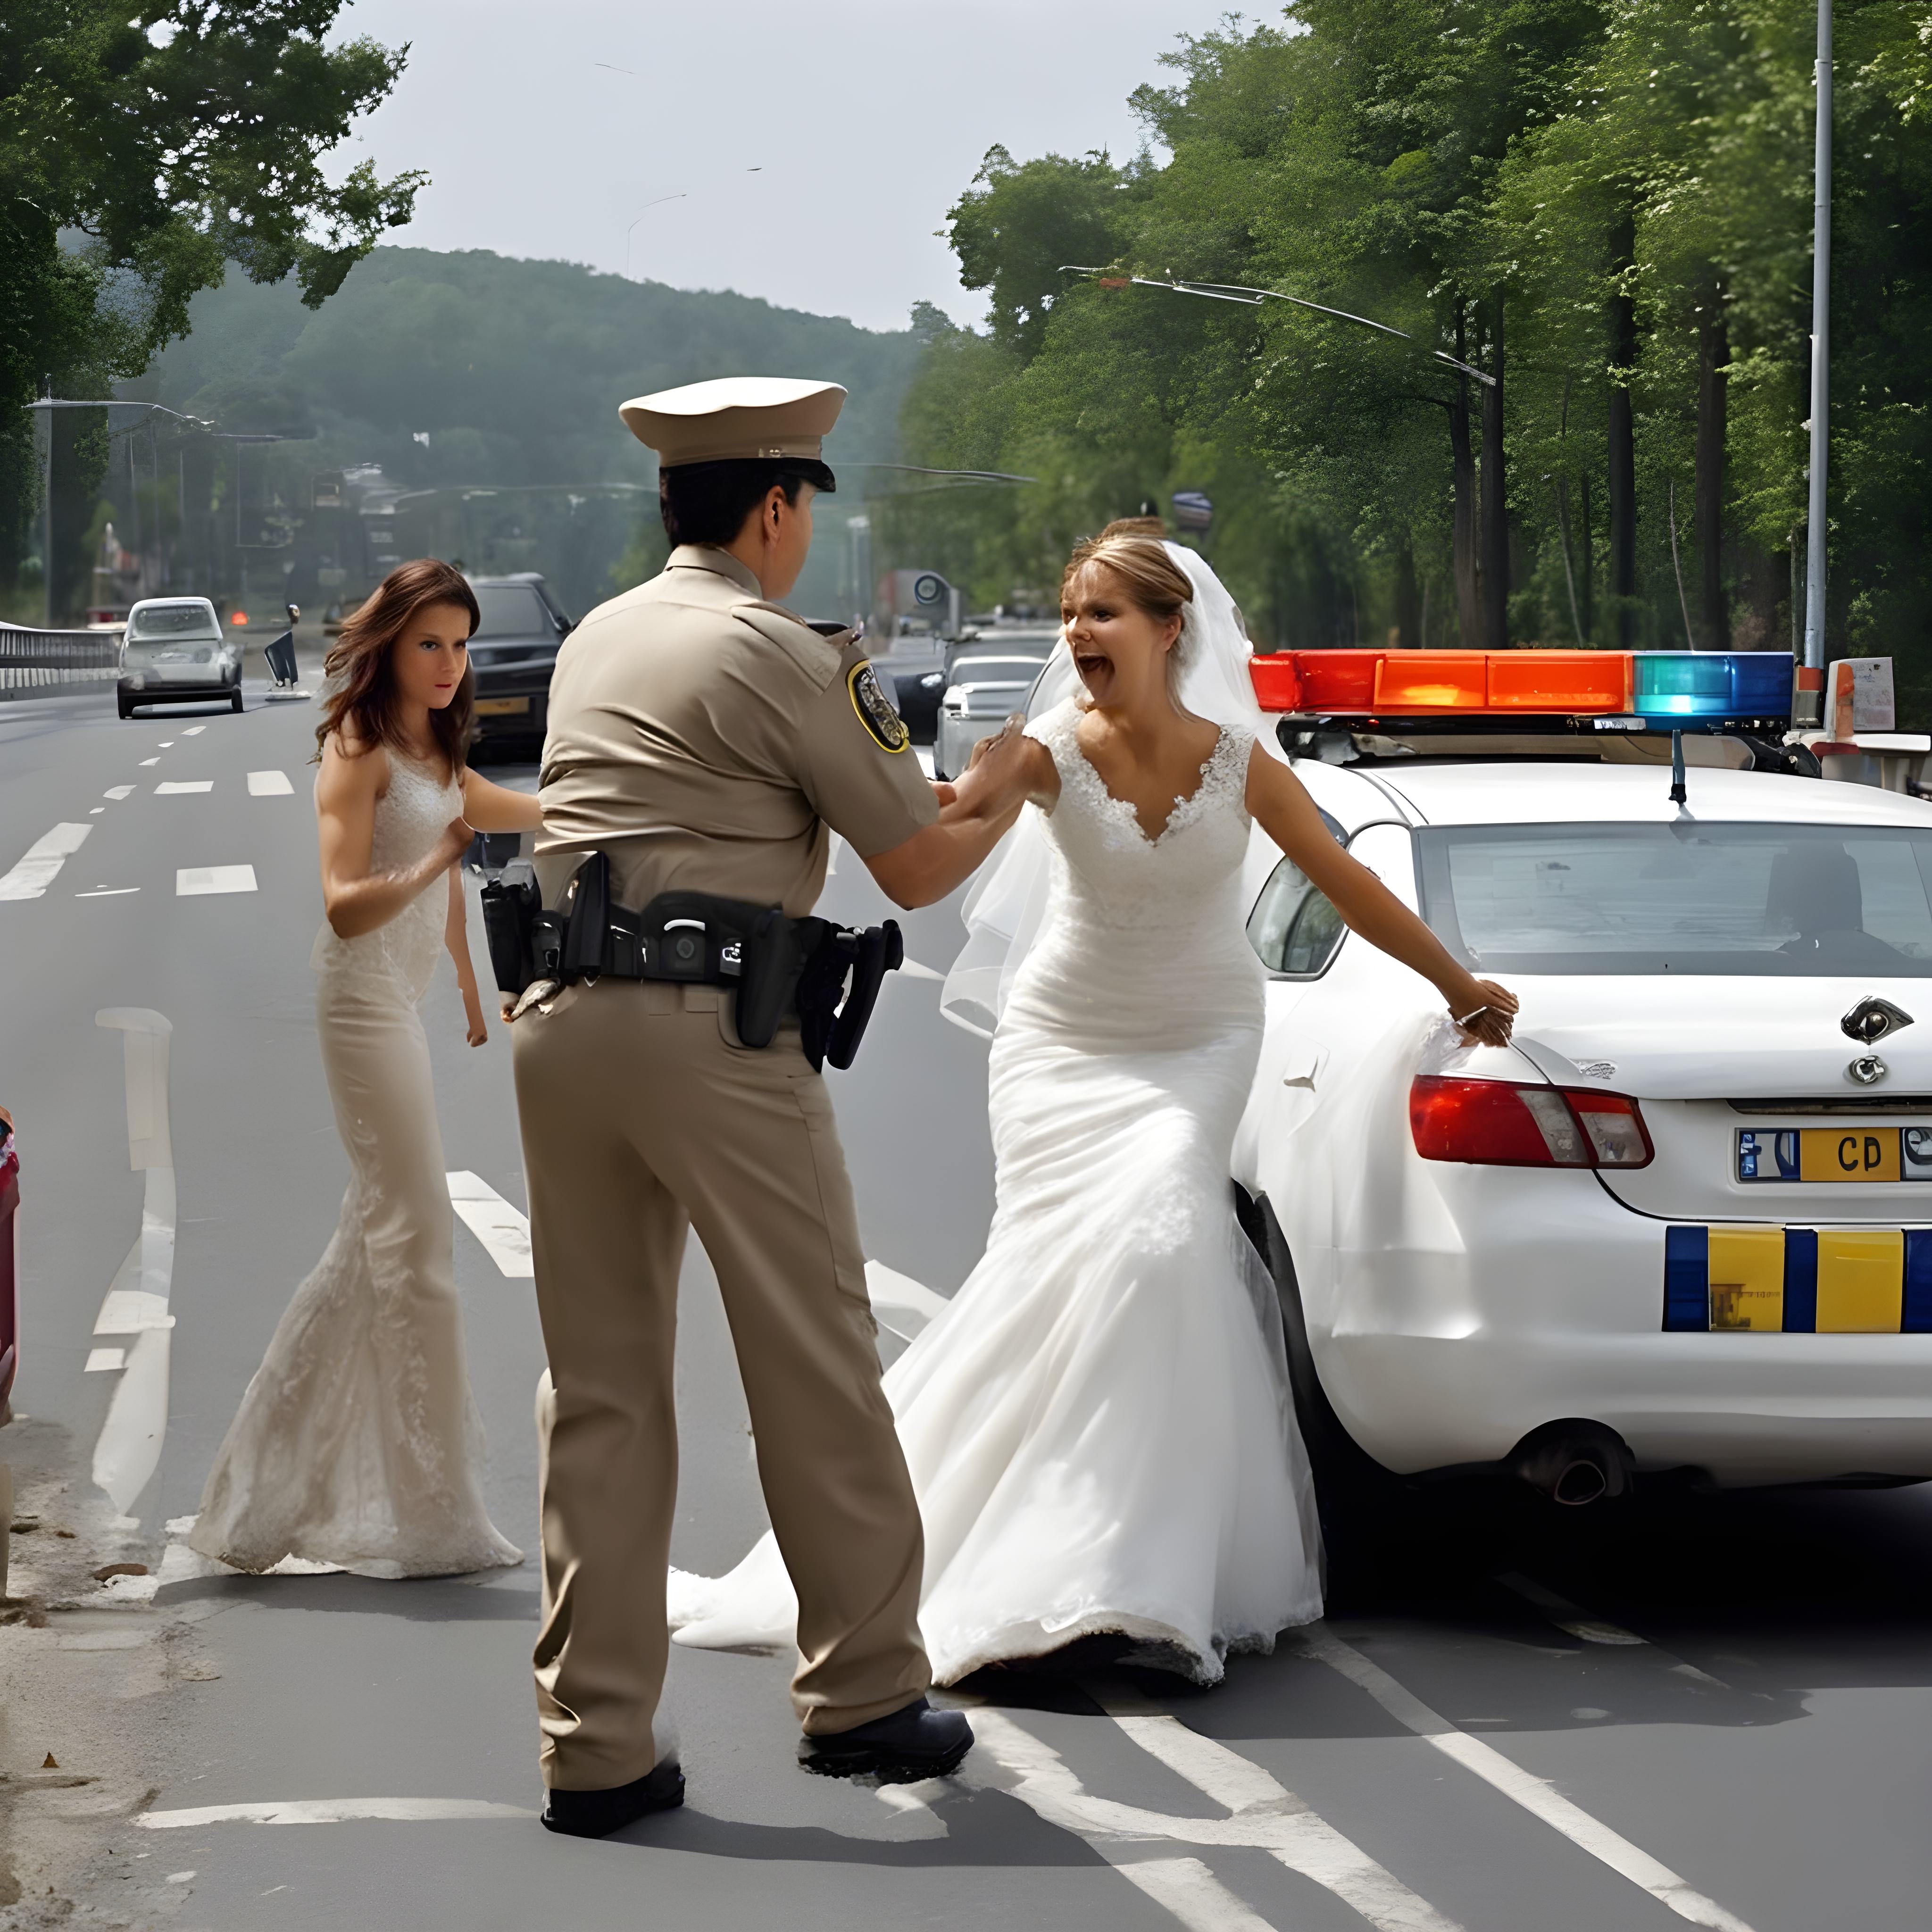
364, 701
1135, 526
1153, 582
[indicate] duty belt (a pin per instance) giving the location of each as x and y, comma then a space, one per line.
829, 975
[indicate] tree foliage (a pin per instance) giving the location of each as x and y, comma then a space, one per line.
1605, 204
143, 148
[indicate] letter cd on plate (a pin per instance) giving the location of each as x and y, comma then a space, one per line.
886, 727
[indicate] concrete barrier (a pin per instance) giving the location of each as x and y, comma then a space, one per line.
43, 664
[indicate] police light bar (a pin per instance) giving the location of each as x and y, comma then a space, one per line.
1626, 690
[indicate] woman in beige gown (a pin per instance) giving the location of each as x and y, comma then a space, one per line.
357, 1442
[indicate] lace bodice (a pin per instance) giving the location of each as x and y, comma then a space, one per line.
401, 956
1146, 935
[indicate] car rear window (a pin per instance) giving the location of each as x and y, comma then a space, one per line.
171, 620
510, 610
1767, 900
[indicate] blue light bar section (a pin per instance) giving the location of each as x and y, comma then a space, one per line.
1695, 685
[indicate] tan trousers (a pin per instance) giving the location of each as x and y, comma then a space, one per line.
642, 1117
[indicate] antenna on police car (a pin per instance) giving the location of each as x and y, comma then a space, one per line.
1677, 793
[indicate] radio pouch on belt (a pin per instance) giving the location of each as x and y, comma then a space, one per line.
510, 905
828, 1030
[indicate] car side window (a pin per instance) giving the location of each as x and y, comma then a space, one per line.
1294, 929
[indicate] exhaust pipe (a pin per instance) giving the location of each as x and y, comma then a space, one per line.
1573, 1462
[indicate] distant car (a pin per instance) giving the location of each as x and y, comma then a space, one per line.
986, 679
175, 653
914, 670
512, 655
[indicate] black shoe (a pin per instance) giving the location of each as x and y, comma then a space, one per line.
596, 1814
898, 1749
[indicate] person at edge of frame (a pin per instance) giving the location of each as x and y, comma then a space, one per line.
707, 738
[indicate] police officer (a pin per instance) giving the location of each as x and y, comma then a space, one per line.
706, 739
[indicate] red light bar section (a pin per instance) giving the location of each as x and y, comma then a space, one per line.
1413, 684
1408, 681
1560, 681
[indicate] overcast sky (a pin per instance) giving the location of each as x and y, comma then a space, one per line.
816, 145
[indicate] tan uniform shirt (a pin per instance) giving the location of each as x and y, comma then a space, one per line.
707, 739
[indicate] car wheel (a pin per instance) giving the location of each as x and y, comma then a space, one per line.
121, 705
235, 700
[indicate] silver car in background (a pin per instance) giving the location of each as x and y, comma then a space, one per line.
175, 653
987, 678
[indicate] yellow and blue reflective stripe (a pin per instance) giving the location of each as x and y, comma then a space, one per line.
1845, 1281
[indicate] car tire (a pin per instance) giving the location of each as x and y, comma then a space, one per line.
235, 700
121, 705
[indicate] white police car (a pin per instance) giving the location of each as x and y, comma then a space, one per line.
1685, 1221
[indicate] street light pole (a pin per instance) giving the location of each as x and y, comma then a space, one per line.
1821, 371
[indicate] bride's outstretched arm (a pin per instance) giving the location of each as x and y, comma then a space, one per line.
975, 812
356, 900
1285, 812
456, 937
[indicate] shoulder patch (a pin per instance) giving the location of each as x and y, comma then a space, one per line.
884, 725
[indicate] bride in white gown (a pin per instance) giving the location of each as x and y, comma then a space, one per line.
1099, 1425
357, 1444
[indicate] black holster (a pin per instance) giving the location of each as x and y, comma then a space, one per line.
774, 964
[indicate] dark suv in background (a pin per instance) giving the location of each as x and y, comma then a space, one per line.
512, 655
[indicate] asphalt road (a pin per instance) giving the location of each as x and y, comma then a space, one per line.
1704, 1708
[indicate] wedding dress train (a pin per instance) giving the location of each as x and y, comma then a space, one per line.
357, 1442
1099, 1425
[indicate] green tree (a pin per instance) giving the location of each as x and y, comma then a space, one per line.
144, 149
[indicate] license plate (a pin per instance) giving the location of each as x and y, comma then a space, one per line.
501, 707
1813, 1154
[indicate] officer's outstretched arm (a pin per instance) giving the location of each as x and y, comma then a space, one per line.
983, 803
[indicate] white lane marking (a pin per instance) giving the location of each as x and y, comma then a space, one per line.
1281, 1824
107, 891
118, 792
128, 1451
269, 784
95, 811
193, 731
1192, 1893
192, 881
98, 1359
1565, 1614
329, 1811
40, 865
504, 1231
151, 761
166, 744
1537, 1795
168, 788
899, 1303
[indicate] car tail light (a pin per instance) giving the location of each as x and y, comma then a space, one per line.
1504, 1123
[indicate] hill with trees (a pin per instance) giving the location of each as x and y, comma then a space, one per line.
465, 405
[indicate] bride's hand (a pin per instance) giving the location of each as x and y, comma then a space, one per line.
477, 1032
1485, 1012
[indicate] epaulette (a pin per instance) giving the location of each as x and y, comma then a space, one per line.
817, 657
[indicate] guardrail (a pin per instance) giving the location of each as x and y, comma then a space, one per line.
40, 664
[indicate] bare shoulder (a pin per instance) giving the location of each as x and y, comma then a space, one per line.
354, 771
1042, 773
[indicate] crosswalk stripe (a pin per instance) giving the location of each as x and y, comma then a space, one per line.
269, 784
40, 865
118, 792
169, 786
194, 881
504, 1231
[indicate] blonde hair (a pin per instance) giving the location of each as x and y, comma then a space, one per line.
1153, 581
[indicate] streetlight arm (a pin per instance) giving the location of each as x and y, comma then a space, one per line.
1234, 291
